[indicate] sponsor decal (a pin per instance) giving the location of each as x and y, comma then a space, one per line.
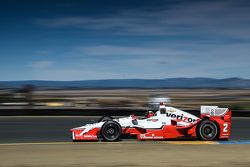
143, 136
89, 136
180, 117
158, 137
212, 112
153, 120
171, 110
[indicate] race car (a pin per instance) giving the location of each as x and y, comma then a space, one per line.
214, 123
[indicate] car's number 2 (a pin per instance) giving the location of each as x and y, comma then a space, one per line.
225, 127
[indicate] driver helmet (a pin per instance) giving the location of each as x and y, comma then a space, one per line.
149, 114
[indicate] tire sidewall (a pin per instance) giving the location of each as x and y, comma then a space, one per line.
200, 129
114, 123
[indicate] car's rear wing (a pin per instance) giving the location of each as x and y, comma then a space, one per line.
213, 111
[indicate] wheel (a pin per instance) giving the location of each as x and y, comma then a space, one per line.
111, 131
105, 118
207, 130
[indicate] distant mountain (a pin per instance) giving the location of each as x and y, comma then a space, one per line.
135, 83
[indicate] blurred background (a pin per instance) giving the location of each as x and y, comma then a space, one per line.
34, 97
93, 54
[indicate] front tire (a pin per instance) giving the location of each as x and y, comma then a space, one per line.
111, 131
207, 130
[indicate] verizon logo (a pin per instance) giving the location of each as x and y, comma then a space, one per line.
180, 117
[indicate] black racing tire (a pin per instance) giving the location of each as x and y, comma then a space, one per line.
111, 131
105, 118
207, 130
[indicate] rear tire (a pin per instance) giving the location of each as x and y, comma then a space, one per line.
111, 131
207, 130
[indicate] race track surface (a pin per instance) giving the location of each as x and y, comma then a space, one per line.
141, 154
46, 142
56, 129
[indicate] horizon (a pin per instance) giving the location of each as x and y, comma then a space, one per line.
128, 79
145, 39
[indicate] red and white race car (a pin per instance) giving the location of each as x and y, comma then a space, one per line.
214, 123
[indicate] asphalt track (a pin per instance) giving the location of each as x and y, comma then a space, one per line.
46, 142
31, 129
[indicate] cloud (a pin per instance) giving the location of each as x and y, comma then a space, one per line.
43, 52
227, 18
187, 39
129, 50
159, 60
42, 64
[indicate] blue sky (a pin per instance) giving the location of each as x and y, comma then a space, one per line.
115, 39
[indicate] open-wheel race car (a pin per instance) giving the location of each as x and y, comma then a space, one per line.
214, 123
